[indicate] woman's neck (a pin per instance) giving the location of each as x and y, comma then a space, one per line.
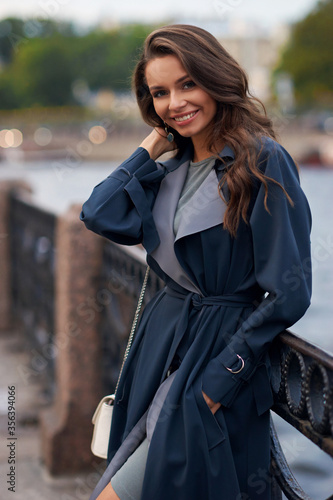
200, 151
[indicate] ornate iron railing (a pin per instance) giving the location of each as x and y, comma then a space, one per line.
32, 250
302, 382
123, 271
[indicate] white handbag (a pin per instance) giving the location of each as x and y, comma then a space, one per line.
102, 426
103, 414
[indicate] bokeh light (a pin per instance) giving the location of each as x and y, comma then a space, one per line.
11, 138
3, 141
42, 136
17, 137
97, 134
328, 125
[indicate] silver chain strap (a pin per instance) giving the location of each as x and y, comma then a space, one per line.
134, 324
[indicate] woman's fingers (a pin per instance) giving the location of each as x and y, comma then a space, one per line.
157, 144
108, 494
212, 405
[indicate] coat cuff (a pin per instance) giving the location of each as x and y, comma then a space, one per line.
140, 165
221, 385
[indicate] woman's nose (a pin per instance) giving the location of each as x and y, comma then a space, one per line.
176, 101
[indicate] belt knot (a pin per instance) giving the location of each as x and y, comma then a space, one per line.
197, 301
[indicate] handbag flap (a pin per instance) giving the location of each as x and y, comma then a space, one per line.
108, 400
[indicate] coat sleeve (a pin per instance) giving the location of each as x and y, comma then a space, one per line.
282, 266
119, 208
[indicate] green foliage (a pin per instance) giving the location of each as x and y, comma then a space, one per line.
11, 34
42, 59
15, 32
8, 98
308, 58
107, 59
41, 73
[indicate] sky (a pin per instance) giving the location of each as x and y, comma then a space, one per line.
87, 12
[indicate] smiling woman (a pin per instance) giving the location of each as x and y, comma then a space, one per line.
181, 103
222, 222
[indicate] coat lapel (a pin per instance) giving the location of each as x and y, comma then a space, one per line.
164, 213
205, 210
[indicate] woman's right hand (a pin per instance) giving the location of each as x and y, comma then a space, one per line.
157, 144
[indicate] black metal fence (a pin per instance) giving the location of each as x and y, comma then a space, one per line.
123, 273
32, 250
303, 393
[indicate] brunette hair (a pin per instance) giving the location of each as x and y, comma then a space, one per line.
240, 118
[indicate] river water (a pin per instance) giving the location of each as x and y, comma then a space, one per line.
59, 183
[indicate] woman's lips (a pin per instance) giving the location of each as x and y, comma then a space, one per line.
186, 118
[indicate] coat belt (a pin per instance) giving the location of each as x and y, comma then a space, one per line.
227, 300
261, 384
195, 301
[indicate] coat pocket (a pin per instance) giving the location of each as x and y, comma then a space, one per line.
214, 424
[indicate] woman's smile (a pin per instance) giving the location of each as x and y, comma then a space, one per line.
185, 118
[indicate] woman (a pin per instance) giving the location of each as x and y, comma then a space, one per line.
226, 225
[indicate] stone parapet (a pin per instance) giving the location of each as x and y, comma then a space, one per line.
66, 425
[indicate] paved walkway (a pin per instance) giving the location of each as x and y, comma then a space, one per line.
32, 482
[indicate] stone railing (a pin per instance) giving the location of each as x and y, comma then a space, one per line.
94, 285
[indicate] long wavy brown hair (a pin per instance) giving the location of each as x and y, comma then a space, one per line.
240, 118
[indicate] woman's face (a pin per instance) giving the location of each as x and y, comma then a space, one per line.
177, 99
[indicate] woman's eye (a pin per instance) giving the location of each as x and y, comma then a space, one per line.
159, 93
189, 85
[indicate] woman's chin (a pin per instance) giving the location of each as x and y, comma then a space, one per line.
183, 133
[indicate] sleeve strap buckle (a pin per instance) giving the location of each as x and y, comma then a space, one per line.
240, 369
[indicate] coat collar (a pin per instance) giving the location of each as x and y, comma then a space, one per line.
174, 163
205, 210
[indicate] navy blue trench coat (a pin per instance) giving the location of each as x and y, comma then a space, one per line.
225, 297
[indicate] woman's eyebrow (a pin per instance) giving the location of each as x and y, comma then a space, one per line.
158, 87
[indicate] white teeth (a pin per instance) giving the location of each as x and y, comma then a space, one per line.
186, 117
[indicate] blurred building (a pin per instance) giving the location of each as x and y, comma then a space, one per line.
256, 48
258, 56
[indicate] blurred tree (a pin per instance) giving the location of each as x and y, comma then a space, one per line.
14, 33
107, 59
8, 96
47, 58
11, 36
308, 57
41, 73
